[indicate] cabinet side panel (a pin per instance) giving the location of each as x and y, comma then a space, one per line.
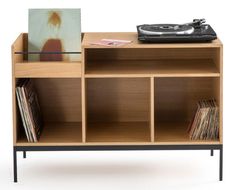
221, 94
15, 112
18, 45
218, 86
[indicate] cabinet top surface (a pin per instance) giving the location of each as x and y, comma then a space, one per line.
91, 37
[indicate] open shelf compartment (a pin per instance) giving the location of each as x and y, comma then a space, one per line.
133, 62
175, 105
118, 110
60, 104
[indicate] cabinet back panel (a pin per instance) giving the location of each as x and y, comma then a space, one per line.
60, 99
176, 98
115, 99
150, 54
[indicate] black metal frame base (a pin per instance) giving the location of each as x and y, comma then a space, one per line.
210, 147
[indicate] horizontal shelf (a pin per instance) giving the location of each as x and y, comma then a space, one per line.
60, 132
118, 132
47, 69
90, 37
176, 132
146, 68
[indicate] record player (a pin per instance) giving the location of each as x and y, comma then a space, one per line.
195, 31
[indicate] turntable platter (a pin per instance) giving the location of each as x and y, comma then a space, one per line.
166, 29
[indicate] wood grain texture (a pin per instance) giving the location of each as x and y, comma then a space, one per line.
59, 99
147, 68
96, 36
117, 143
152, 108
171, 131
144, 54
174, 132
83, 97
15, 113
16, 46
113, 133
58, 132
118, 99
137, 94
118, 132
176, 98
48, 70
221, 93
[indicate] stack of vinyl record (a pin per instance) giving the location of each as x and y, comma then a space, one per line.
29, 109
205, 124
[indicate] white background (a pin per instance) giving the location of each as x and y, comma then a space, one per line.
120, 170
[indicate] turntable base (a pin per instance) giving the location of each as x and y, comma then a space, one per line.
195, 31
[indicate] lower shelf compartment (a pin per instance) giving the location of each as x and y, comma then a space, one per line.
175, 132
118, 132
58, 132
110, 133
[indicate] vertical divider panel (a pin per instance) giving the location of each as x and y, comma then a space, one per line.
152, 122
83, 95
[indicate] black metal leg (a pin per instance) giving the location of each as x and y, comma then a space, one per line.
221, 163
212, 152
15, 164
24, 154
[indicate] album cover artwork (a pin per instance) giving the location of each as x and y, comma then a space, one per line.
55, 33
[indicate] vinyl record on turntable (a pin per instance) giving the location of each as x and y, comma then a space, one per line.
166, 29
